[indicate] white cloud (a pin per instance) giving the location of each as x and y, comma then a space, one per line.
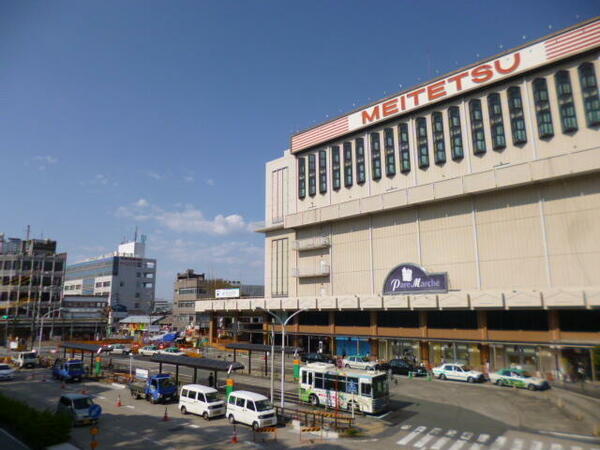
99, 180
188, 179
210, 182
154, 175
185, 219
42, 161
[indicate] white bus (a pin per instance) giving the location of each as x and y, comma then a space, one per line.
325, 384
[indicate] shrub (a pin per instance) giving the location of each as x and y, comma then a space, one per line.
38, 429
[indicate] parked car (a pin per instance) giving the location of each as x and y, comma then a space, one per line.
155, 389
120, 349
80, 408
201, 400
403, 367
6, 372
173, 351
518, 378
68, 370
28, 360
317, 357
148, 350
250, 408
457, 372
359, 362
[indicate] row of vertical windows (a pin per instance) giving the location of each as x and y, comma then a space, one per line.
516, 116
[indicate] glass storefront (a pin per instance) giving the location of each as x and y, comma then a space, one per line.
402, 349
455, 352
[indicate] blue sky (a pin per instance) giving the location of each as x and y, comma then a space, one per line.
162, 114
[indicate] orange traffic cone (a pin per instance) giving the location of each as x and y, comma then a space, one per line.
119, 404
234, 439
166, 416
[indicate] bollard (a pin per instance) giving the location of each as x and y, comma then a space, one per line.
429, 377
229, 388
119, 404
411, 374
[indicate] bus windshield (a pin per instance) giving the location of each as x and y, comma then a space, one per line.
380, 386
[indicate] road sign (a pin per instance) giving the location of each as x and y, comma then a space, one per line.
95, 411
94, 431
352, 387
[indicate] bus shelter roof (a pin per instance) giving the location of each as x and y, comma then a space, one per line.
215, 365
262, 348
81, 347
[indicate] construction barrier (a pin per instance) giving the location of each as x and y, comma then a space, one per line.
310, 429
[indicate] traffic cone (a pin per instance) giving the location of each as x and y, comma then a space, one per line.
119, 404
234, 439
166, 416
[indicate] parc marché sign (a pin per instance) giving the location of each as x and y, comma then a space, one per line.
409, 278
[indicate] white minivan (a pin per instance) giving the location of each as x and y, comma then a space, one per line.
201, 400
250, 408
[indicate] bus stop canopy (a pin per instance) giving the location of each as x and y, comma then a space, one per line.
259, 348
213, 365
79, 347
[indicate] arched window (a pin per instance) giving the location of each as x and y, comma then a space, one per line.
566, 105
439, 146
477, 131
404, 148
456, 144
359, 149
496, 121
542, 108
422, 145
375, 156
589, 91
517, 118
390, 152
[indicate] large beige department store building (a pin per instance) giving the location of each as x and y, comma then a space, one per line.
458, 220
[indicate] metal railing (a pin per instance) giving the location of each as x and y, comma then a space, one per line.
335, 420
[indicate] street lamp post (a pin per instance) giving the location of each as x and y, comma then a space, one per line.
42, 327
283, 324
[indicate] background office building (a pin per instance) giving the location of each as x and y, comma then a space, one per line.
125, 277
455, 221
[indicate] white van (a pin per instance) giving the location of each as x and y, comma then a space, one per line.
201, 400
250, 408
29, 360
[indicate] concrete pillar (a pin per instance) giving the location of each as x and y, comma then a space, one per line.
424, 347
332, 322
554, 325
423, 323
212, 329
373, 322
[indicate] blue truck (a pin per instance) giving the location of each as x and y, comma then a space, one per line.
68, 370
159, 388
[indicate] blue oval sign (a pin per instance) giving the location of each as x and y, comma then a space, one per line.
95, 411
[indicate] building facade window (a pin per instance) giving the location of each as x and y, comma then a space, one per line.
359, 148
477, 131
517, 118
335, 167
279, 267
301, 178
542, 108
566, 104
422, 144
322, 171
375, 156
456, 144
496, 121
347, 164
404, 148
312, 175
390, 152
589, 90
439, 145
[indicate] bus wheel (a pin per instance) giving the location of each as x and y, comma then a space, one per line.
314, 400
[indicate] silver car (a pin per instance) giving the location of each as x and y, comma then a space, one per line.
80, 408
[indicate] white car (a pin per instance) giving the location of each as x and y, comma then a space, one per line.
6, 372
250, 408
457, 372
29, 360
201, 400
120, 349
173, 351
359, 362
148, 350
518, 378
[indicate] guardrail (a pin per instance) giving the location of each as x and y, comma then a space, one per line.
326, 420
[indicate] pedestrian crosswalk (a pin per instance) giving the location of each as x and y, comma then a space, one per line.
425, 438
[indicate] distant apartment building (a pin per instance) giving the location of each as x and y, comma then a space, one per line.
189, 287
31, 277
125, 277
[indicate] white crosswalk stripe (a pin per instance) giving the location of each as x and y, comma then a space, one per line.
457, 445
517, 444
536, 445
451, 433
483, 438
410, 436
437, 445
555, 446
498, 443
476, 446
424, 440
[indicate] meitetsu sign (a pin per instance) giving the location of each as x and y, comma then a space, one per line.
559, 46
410, 278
